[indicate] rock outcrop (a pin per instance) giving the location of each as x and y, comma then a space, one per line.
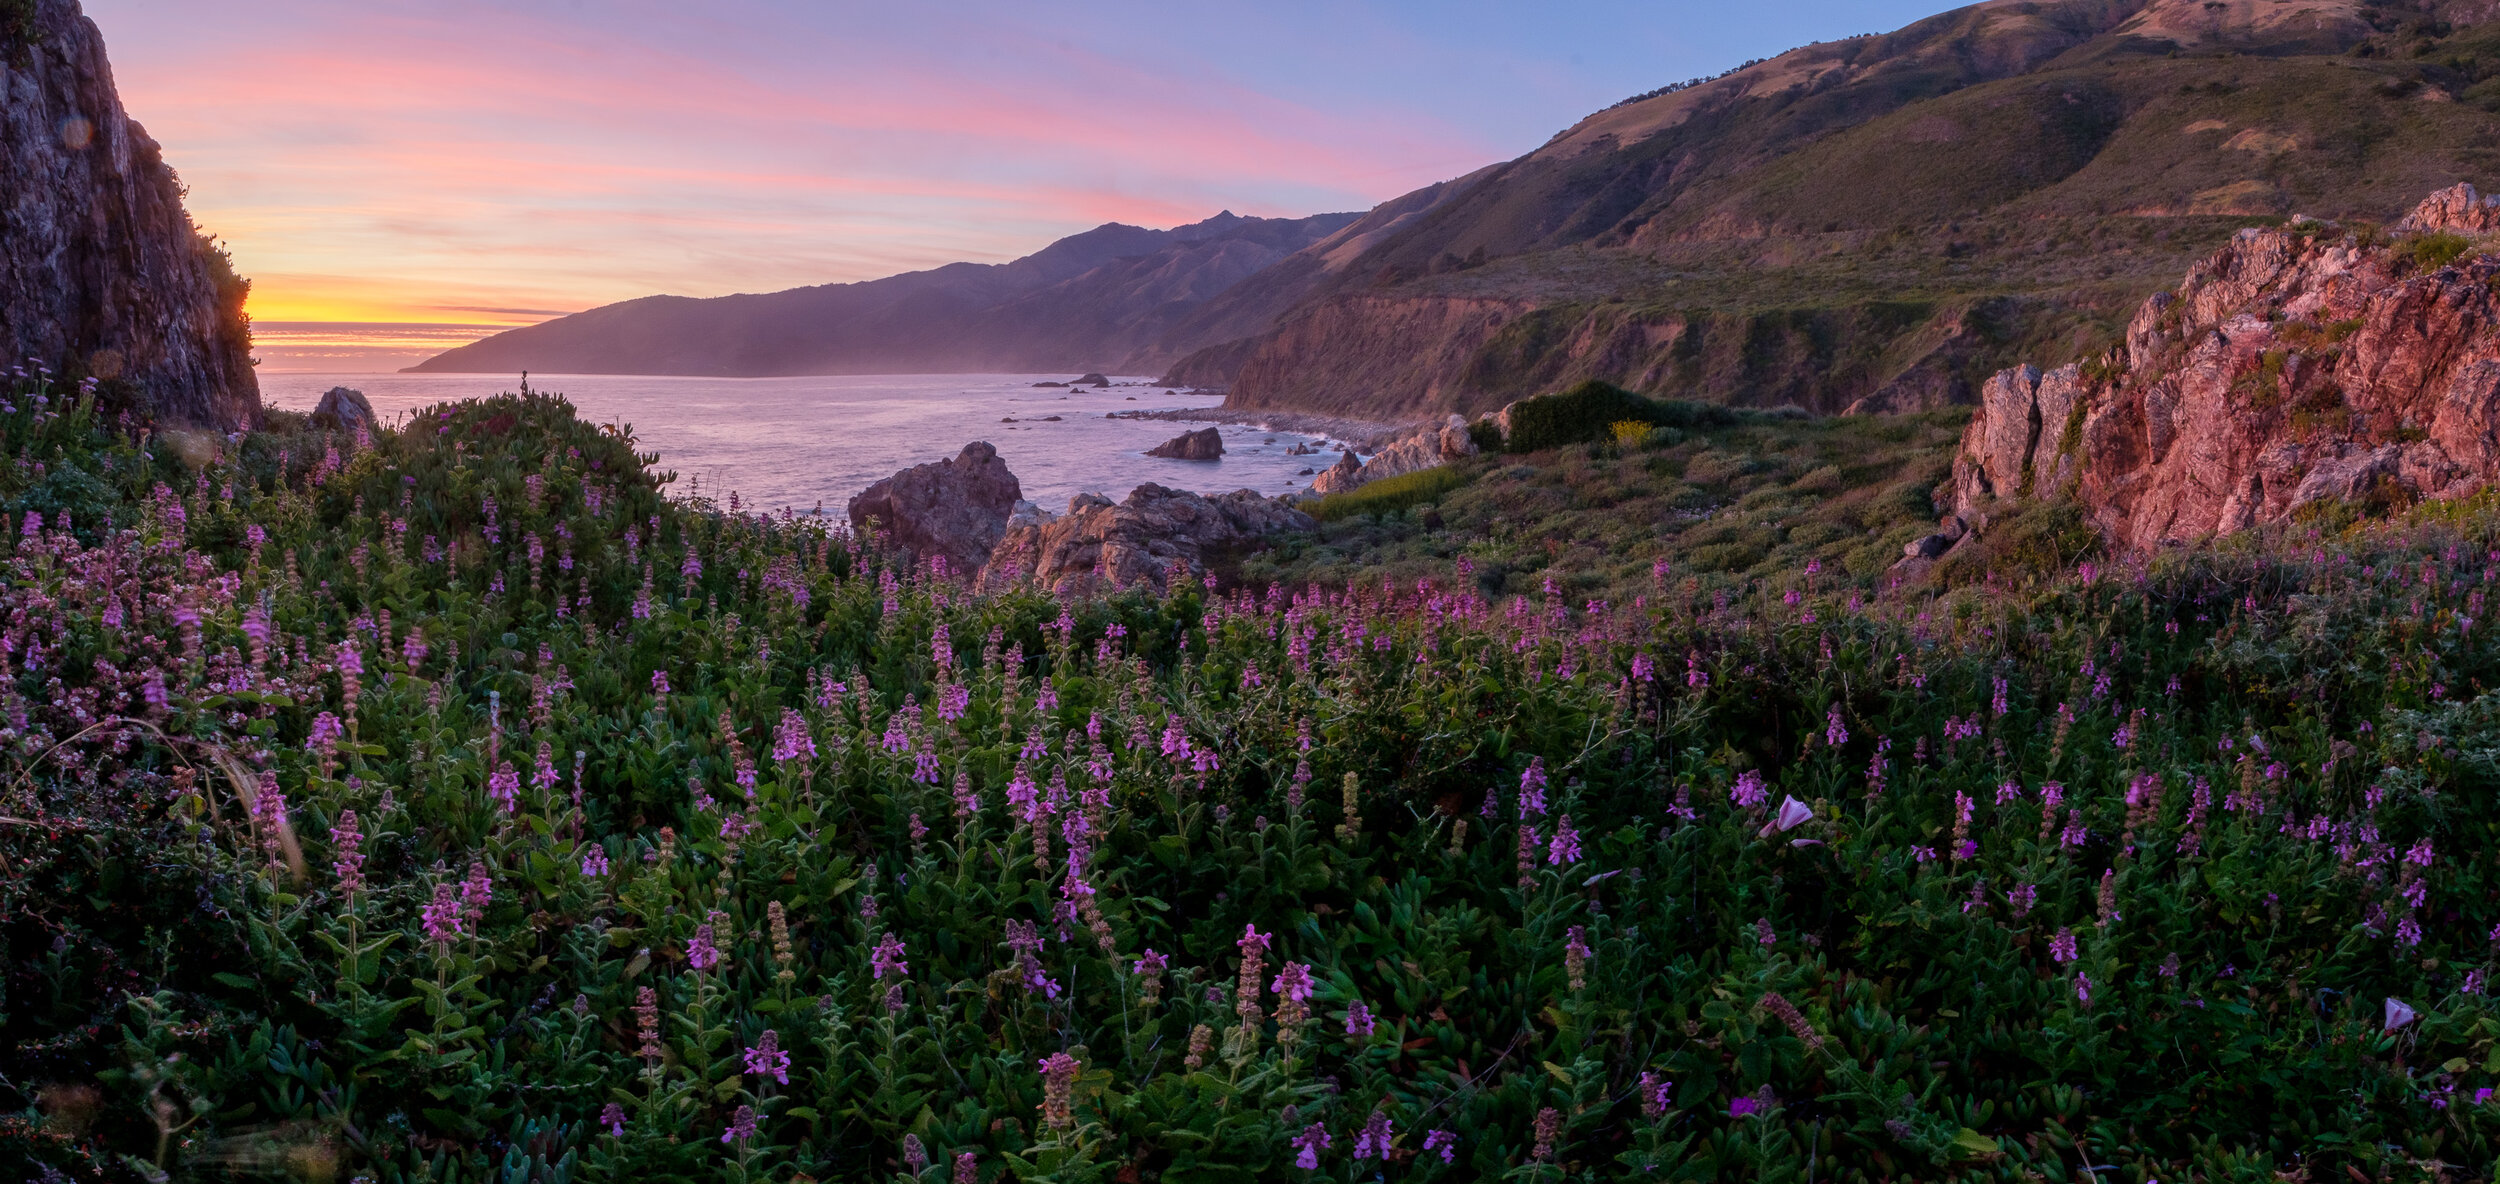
1098, 545
953, 509
1341, 476
1430, 446
102, 273
2294, 366
344, 407
1203, 444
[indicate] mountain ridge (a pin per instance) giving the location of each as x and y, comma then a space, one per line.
1083, 302
1880, 223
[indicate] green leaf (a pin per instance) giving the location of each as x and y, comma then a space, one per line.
1972, 1143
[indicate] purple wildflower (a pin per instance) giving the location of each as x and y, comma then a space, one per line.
1308, 1145
1564, 850
348, 858
1443, 1142
1358, 1020
742, 1123
2062, 947
766, 1058
1372, 1142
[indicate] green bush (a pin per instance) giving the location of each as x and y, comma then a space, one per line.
2430, 252
1591, 410
1388, 495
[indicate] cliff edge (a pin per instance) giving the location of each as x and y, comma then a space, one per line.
2297, 365
102, 273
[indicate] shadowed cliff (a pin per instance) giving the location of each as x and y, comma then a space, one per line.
102, 273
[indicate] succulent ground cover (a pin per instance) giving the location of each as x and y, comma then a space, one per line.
446, 804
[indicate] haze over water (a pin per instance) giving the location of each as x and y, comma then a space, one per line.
797, 442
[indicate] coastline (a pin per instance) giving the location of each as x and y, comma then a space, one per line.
1367, 436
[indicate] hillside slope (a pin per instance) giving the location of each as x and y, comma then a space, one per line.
1880, 223
1084, 302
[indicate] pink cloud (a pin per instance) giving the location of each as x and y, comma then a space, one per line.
474, 152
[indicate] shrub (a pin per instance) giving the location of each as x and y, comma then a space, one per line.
1629, 432
1591, 410
2430, 252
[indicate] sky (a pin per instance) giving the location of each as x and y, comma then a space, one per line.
428, 170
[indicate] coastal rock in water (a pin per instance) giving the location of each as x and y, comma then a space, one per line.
1341, 476
2295, 366
1139, 541
955, 509
343, 407
1092, 380
1203, 444
1430, 446
101, 270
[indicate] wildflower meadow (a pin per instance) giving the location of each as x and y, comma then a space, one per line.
444, 803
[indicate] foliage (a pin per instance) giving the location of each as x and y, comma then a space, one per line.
1599, 410
2430, 252
1388, 495
1758, 496
447, 805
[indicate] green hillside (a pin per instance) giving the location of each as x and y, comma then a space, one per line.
1903, 216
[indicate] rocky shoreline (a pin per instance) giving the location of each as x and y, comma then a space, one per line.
1366, 435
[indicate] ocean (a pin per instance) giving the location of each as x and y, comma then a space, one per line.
807, 443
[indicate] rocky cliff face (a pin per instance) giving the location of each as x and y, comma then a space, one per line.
2295, 366
101, 272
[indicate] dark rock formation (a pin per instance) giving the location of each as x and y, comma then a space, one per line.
955, 509
2294, 366
344, 407
101, 272
1203, 444
1138, 541
1092, 380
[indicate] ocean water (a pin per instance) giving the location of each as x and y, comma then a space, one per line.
802, 442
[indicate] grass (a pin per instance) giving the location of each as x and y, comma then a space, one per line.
1755, 499
1388, 495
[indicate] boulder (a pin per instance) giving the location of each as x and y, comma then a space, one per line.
1203, 444
2295, 365
344, 407
1139, 541
956, 509
1092, 380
